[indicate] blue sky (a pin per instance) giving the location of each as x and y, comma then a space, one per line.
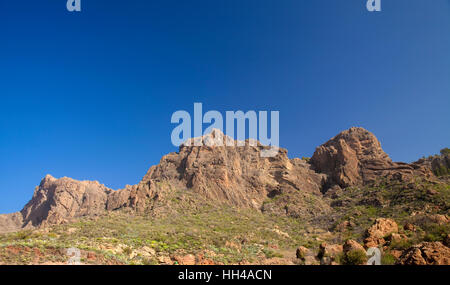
89, 95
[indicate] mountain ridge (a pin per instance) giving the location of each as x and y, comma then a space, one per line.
235, 176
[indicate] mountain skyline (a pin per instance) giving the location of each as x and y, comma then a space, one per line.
329, 209
90, 95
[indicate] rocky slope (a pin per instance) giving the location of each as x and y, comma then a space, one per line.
339, 194
236, 176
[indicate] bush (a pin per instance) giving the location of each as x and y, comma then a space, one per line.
445, 151
26, 234
442, 171
354, 257
400, 244
270, 253
388, 259
436, 232
127, 250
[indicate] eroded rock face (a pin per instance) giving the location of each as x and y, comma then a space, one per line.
355, 157
10, 222
237, 176
426, 253
56, 201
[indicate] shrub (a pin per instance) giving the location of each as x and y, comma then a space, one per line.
442, 171
354, 257
388, 259
436, 232
445, 151
270, 253
24, 234
127, 250
400, 244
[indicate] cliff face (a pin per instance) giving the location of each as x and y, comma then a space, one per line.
234, 176
56, 201
355, 157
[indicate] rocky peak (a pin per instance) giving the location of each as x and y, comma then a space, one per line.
235, 175
215, 138
58, 200
355, 157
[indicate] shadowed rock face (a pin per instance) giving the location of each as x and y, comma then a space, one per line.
10, 222
235, 176
355, 157
56, 201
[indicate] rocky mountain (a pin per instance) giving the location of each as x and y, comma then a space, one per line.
355, 157
235, 176
216, 204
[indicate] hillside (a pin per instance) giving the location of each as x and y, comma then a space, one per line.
228, 205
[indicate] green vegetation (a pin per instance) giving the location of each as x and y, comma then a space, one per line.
445, 151
226, 235
354, 257
442, 171
222, 234
400, 244
388, 259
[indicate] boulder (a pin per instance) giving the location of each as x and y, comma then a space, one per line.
409, 227
351, 245
426, 253
301, 252
328, 253
188, 259
395, 237
375, 235
344, 226
440, 219
382, 228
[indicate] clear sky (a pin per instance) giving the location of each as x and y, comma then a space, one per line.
89, 95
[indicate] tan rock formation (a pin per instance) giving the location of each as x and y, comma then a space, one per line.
351, 245
378, 231
426, 253
56, 201
355, 157
236, 176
